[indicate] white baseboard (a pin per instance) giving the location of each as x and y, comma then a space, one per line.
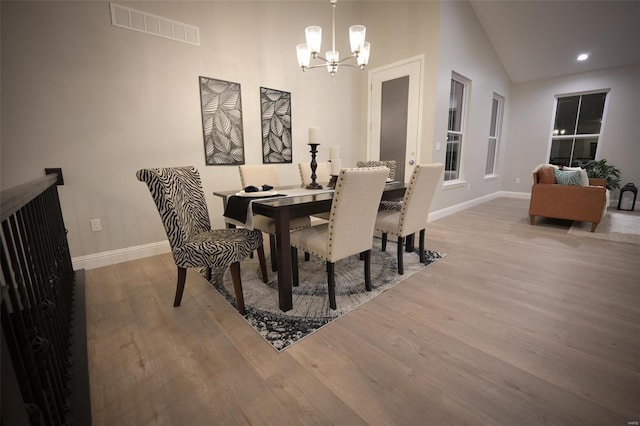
106, 258
512, 194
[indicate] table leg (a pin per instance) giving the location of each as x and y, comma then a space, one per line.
285, 297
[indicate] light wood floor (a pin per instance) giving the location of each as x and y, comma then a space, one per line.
519, 324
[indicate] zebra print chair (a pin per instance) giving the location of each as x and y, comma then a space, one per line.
391, 164
180, 200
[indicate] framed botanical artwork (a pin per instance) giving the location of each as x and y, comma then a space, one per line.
276, 126
221, 122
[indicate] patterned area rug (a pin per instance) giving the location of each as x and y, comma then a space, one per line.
616, 225
310, 299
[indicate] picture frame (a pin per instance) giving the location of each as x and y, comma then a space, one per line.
222, 129
277, 143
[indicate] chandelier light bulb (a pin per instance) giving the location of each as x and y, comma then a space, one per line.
356, 37
363, 56
304, 56
313, 35
333, 58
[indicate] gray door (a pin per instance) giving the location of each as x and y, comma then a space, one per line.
393, 122
395, 104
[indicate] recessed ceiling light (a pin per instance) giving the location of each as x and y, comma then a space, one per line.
583, 57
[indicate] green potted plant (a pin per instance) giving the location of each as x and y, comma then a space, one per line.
600, 169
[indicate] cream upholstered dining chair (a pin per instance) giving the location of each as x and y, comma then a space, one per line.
350, 227
179, 198
323, 176
258, 175
322, 173
413, 211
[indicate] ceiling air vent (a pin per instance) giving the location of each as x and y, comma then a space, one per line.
125, 17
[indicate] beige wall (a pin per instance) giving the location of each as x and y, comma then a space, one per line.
465, 49
102, 102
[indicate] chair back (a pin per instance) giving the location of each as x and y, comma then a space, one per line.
418, 196
353, 211
391, 164
178, 194
259, 174
322, 173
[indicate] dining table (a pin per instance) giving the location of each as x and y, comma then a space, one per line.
282, 209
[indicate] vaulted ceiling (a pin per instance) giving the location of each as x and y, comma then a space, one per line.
542, 39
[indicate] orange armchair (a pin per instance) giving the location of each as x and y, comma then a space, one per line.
571, 202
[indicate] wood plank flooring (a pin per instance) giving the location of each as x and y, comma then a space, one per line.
518, 324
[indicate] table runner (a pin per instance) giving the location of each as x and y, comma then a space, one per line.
239, 210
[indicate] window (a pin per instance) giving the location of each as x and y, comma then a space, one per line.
494, 134
455, 129
576, 129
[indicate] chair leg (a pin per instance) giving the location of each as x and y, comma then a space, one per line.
421, 246
367, 269
273, 252
263, 264
182, 276
294, 267
532, 219
384, 241
331, 283
307, 256
400, 260
409, 242
208, 274
237, 286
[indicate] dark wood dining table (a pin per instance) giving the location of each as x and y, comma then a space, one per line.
282, 210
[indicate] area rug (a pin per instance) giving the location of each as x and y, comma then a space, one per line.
617, 225
310, 299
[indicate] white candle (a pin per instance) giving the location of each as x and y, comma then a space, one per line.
314, 134
336, 165
334, 152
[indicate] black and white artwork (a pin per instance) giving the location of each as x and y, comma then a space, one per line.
276, 126
221, 122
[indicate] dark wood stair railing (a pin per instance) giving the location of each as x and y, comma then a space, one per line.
44, 382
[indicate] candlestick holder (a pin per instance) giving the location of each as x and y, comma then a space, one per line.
332, 182
314, 166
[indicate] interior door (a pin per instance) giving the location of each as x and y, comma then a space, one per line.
395, 103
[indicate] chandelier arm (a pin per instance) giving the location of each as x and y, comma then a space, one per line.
354, 56
322, 59
318, 66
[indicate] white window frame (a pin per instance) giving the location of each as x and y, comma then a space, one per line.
552, 134
456, 176
494, 136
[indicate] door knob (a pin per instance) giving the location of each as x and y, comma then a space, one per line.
411, 162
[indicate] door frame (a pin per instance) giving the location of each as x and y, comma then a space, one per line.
414, 68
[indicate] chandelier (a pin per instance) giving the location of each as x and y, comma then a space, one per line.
359, 48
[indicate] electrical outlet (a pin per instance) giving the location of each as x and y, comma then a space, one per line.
96, 226
517, 180
438, 146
